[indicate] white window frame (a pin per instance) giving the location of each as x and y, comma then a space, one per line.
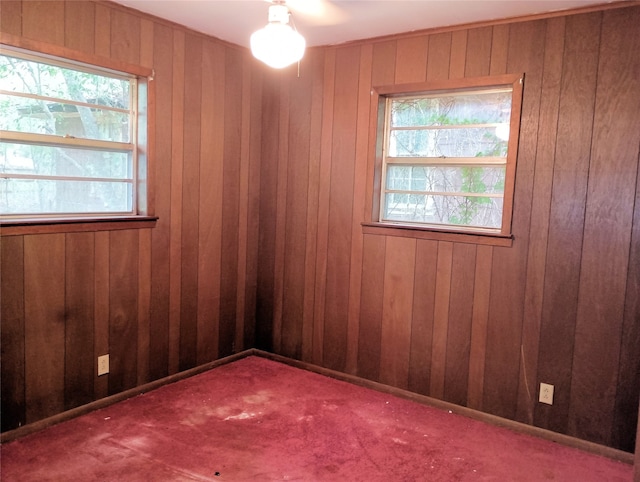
138, 124
386, 94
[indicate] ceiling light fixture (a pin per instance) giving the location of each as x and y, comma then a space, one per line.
278, 44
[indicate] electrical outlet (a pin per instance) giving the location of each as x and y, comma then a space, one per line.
546, 393
103, 365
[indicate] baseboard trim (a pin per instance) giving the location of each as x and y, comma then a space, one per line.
520, 427
118, 397
602, 450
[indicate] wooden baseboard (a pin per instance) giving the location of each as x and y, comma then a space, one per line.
118, 397
566, 440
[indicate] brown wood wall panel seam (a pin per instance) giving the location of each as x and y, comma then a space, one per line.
607, 232
44, 321
210, 202
281, 211
315, 139
79, 310
324, 182
190, 204
177, 161
12, 332
161, 234
540, 213
230, 202
566, 217
359, 189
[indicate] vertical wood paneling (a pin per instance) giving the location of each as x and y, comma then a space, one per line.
44, 322
458, 54
566, 219
281, 211
243, 209
125, 36
440, 319
190, 204
12, 331
46, 28
359, 189
176, 187
397, 305
79, 32
463, 266
499, 49
411, 59
102, 30
439, 56
144, 305
116, 292
123, 309
161, 234
538, 238
276, 213
315, 136
101, 289
11, 17
341, 208
230, 202
324, 183
607, 232
478, 59
146, 235
370, 332
382, 73
296, 215
79, 310
424, 290
504, 330
210, 209
267, 238
627, 394
253, 208
480, 320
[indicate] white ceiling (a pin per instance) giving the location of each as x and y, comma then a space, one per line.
342, 20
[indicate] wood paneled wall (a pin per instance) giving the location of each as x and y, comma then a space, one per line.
477, 325
262, 180
158, 300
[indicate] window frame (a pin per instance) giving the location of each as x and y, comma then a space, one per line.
143, 216
380, 96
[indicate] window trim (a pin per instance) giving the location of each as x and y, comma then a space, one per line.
380, 94
145, 217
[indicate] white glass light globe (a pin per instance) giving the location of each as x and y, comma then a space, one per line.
277, 45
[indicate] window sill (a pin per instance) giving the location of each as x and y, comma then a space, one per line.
418, 232
10, 227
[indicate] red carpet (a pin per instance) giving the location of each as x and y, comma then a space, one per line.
256, 419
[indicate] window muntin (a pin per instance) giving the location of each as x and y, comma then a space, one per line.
67, 139
445, 158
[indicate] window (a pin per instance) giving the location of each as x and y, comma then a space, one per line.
448, 156
68, 139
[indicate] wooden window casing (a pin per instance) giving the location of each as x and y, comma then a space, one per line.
142, 212
383, 96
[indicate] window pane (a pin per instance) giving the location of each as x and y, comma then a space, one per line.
483, 212
455, 109
28, 159
460, 142
24, 114
455, 179
20, 75
42, 196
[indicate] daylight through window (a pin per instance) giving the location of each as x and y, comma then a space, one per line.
446, 157
67, 140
